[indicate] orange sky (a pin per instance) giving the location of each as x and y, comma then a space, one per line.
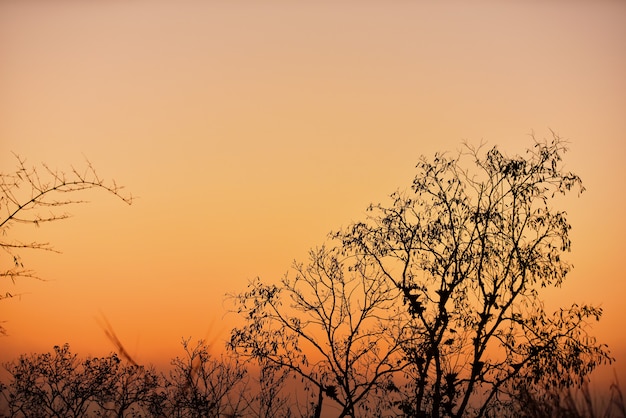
249, 131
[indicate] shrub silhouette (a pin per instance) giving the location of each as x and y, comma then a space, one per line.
60, 384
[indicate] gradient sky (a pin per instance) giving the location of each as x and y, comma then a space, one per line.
249, 130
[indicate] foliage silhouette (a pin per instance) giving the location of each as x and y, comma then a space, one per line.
200, 385
452, 272
430, 307
33, 196
60, 384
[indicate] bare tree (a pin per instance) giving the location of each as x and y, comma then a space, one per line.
469, 252
333, 326
37, 195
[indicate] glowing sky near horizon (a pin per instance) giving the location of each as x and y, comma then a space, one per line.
249, 130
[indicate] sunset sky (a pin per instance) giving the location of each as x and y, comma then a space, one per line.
248, 130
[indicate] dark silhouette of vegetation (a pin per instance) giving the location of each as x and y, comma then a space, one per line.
430, 307
59, 384
36, 195
449, 276
202, 386
575, 402
332, 325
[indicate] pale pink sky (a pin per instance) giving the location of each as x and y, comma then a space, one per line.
250, 130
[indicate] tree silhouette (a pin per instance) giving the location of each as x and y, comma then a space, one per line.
332, 325
36, 195
470, 251
61, 384
200, 385
430, 307
433, 302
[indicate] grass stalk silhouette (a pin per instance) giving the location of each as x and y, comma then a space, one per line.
105, 325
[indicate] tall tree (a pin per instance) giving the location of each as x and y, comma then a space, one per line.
433, 302
469, 249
